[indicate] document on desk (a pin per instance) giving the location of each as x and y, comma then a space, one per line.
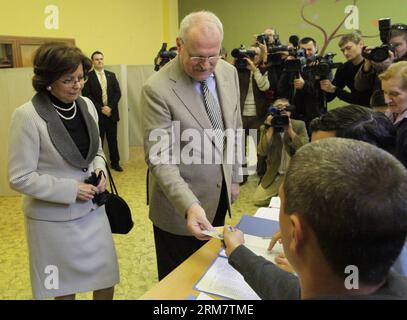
267, 213
260, 246
275, 202
223, 280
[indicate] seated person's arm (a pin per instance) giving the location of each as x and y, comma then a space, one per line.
266, 279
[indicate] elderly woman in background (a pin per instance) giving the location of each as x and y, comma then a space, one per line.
54, 148
394, 85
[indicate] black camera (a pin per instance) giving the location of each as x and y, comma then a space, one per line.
322, 69
165, 55
240, 54
295, 65
280, 118
262, 38
381, 53
101, 198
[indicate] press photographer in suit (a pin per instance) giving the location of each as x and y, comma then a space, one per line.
103, 89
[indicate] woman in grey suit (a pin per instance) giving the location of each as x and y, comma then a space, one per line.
54, 148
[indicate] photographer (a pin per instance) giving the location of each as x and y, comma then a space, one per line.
164, 56
301, 87
273, 55
351, 45
395, 38
280, 138
253, 84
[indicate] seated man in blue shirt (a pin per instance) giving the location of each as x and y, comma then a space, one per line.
343, 221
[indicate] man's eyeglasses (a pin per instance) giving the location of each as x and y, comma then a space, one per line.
72, 81
200, 60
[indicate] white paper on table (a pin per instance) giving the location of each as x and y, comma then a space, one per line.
203, 296
267, 213
275, 202
259, 246
222, 279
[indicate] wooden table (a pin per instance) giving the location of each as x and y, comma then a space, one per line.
178, 285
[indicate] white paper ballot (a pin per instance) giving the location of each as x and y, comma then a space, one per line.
203, 296
275, 202
222, 279
260, 247
268, 213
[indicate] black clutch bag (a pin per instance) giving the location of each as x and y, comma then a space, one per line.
117, 210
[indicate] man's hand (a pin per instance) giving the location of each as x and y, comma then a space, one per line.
327, 86
289, 129
282, 262
197, 222
250, 65
107, 111
299, 83
276, 237
232, 238
235, 191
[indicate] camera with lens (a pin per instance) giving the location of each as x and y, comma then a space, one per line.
322, 69
101, 198
165, 56
297, 64
262, 38
240, 54
381, 53
280, 118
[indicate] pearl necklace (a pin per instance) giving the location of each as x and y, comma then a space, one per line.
62, 109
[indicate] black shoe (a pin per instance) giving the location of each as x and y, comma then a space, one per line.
116, 166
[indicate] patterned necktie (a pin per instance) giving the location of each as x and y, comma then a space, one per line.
214, 113
103, 85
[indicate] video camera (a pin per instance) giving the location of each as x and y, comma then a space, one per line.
381, 53
165, 56
295, 65
280, 118
240, 54
324, 65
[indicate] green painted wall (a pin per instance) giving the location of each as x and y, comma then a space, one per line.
243, 19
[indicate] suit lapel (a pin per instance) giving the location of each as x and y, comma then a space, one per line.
223, 88
185, 90
60, 137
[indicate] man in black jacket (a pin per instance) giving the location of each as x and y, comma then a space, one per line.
351, 45
103, 89
303, 89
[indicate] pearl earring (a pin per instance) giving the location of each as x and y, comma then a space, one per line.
49, 88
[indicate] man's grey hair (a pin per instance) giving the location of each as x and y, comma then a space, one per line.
353, 196
207, 20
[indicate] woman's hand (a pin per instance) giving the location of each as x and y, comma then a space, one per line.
86, 191
102, 183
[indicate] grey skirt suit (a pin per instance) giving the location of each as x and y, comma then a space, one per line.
69, 241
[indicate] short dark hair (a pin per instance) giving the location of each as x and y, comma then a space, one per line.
54, 59
96, 52
305, 40
359, 123
353, 196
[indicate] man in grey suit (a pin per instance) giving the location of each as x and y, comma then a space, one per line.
197, 96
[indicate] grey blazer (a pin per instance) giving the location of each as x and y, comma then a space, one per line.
169, 97
44, 163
